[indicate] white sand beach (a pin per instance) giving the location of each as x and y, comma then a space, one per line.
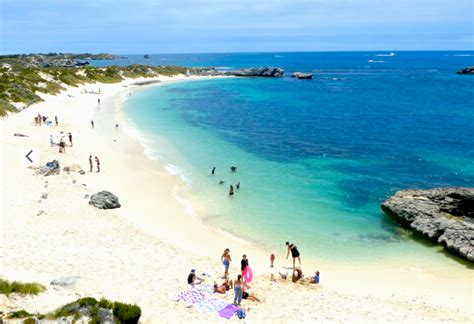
142, 252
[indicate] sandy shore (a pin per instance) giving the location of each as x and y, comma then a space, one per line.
142, 252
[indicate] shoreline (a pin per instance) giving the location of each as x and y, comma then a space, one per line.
185, 240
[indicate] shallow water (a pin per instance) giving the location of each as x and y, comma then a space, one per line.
316, 157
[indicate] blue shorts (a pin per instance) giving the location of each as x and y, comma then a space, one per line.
226, 264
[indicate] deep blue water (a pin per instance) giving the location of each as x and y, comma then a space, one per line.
316, 157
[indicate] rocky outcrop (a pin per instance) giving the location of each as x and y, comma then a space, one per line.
104, 200
272, 72
51, 168
301, 75
445, 215
468, 70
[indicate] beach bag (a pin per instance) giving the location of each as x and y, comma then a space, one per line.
241, 313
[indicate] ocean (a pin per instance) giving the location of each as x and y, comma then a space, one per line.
315, 158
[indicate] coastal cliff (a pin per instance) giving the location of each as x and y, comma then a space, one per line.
444, 215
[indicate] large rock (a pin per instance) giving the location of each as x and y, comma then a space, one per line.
104, 200
301, 75
445, 215
272, 72
50, 168
468, 70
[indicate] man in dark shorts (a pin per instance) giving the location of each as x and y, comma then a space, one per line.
294, 253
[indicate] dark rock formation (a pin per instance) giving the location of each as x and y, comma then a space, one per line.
301, 75
104, 200
257, 72
445, 215
468, 70
51, 168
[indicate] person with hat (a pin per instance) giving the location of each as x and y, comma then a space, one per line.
193, 279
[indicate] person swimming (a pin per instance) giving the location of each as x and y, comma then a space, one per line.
213, 171
221, 181
233, 168
237, 185
231, 190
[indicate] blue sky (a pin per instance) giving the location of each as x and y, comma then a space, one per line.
187, 26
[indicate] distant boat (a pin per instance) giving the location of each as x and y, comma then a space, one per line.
388, 55
146, 56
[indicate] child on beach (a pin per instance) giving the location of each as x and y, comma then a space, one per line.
272, 259
315, 279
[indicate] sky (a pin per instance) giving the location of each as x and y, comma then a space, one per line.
211, 26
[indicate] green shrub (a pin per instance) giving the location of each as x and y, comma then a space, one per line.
29, 320
126, 313
19, 314
30, 288
6, 107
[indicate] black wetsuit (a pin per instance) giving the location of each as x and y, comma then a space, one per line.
191, 278
294, 251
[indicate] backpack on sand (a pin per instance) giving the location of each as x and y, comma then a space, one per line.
241, 313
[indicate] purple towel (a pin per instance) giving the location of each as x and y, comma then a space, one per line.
228, 311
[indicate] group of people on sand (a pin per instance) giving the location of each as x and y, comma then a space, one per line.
91, 164
231, 187
297, 273
41, 119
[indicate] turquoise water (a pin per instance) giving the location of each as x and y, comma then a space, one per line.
316, 158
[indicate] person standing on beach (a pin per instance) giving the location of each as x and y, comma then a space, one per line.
272, 259
213, 170
226, 259
98, 163
244, 263
98, 101
90, 163
69, 135
238, 285
51, 141
294, 253
92, 123
56, 120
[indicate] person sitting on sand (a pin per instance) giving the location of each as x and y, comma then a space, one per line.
222, 289
315, 278
297, 275
193, 279
226, 260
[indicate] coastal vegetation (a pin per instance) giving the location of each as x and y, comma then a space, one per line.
15, 287
21, 86
98, 311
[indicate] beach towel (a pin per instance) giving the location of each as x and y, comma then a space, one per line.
205, 288
191, 296
228, 311
211, 305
